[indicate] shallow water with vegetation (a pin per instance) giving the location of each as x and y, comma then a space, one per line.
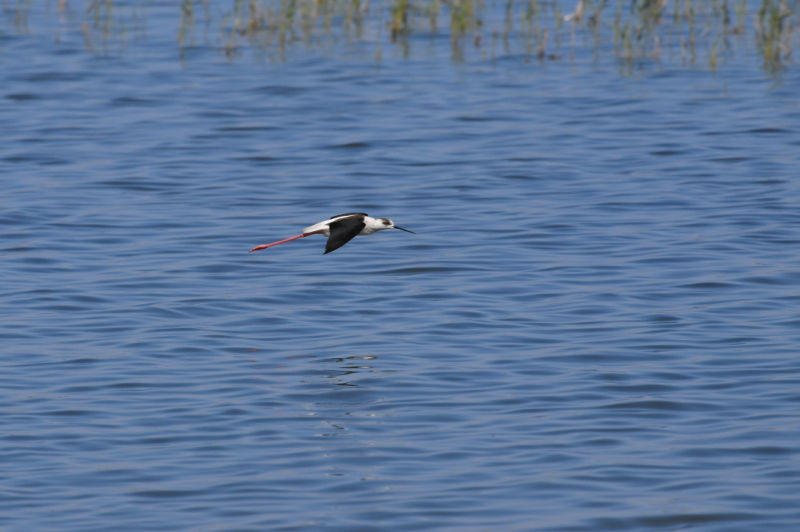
594, 328
705, 33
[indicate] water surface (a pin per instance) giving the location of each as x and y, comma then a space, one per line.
594, 328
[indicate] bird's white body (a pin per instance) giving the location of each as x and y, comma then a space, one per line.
371, 225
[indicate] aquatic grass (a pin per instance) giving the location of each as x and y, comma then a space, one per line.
463, 18
741, 17
105, 24
774, 31
186, 24
638, 33
20, 18
399, 18
433, 9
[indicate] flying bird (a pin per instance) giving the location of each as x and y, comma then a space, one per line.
340, 230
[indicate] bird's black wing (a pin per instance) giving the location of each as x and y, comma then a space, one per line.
343, 231
350, 214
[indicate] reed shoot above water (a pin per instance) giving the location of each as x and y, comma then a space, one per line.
696, 33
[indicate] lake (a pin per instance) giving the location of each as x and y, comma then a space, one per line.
595, 326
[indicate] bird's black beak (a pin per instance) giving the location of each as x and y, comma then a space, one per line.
406, 230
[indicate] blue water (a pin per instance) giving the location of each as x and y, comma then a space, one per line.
595, 327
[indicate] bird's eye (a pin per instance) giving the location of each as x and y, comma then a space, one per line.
385, 222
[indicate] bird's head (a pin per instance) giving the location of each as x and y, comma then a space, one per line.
386, 223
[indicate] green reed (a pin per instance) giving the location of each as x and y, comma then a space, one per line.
699, 33
774, 30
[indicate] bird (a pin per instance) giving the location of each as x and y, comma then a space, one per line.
340, 230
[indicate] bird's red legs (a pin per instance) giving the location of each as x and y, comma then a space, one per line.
269, 245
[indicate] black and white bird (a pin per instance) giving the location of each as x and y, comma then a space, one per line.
340, 230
